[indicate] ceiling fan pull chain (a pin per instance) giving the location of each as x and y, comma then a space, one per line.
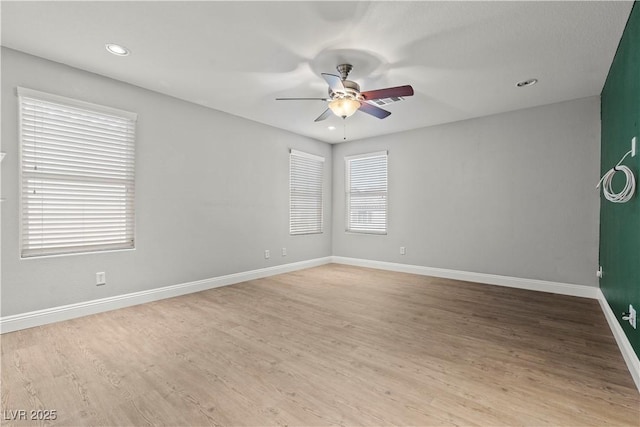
344, 129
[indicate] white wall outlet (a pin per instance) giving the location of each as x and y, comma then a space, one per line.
267, 254
633, 146
101, 278
630, 316
403, 250
599, 272
284, 251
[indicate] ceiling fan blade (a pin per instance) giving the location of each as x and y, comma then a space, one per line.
334, 82
378, 112
302, 99
324, 115
390, 92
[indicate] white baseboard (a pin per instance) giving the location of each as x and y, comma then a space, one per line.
71, 311
630, 356
491, 279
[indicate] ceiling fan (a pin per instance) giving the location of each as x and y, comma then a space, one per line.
345, 97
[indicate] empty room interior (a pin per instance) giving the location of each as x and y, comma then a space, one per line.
320, 213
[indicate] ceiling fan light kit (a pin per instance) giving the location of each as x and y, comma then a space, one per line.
344, 107
345, 97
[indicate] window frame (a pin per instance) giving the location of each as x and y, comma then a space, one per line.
349, 228
27, 250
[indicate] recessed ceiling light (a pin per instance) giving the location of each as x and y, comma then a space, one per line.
331, 128
117, 49
529, 82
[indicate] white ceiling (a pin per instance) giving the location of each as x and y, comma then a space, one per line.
462, 58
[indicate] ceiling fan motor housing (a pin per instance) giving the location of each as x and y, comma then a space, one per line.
351, 90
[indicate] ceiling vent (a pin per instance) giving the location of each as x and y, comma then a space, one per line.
385, 101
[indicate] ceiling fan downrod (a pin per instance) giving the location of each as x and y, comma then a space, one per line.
344, 70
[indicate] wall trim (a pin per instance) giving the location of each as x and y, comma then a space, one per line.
630, 356
491, 279
56, 314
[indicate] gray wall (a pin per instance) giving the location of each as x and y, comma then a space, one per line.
212, 193
511, 194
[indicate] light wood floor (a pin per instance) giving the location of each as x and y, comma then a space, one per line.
333, 345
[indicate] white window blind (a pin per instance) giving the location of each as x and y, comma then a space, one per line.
305, 193
366, 193
77, 176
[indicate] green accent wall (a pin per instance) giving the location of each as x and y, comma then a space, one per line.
620, 222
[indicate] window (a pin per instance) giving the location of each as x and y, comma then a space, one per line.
305, 193
366, 190
77, 176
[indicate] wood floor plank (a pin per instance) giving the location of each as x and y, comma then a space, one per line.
332, 345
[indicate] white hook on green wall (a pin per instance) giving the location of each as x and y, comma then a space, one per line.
624, 195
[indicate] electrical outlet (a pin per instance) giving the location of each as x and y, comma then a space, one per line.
403, 250
630, 316
633, 146
267, 254
599, 272
284, 251
101, 278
